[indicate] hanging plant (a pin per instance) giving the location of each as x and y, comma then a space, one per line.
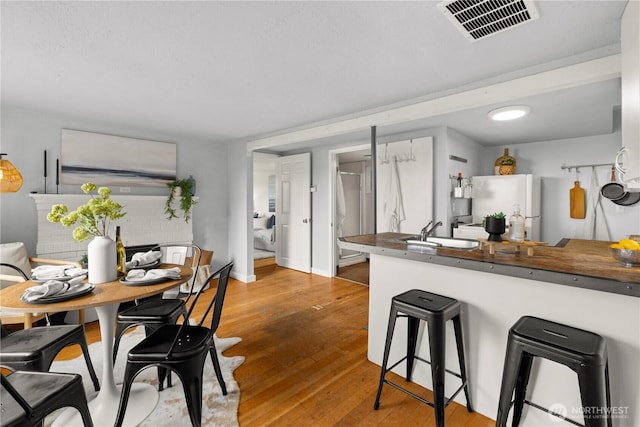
183, 189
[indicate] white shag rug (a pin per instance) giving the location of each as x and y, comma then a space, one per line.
171, 410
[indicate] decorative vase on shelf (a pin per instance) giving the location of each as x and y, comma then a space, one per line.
505, 164
101, 254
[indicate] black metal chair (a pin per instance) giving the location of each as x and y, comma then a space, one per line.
182, 349
28, 397
35, 349
582, 351
155, 312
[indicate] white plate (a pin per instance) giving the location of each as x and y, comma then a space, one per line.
74, 291
142, 282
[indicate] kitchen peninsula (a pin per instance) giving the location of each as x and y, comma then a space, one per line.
577, 283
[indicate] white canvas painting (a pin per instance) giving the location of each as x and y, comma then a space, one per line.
115, 160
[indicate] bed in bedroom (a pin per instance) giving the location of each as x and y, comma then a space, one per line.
264, 229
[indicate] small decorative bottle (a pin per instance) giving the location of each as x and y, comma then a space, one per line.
457, 191
516, 225
121, 254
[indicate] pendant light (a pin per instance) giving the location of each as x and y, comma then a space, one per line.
10, 178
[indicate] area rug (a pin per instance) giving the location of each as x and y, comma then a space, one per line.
171, 410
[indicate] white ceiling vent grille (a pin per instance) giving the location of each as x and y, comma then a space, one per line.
477, 19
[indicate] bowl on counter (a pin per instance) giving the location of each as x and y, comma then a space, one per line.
628, 257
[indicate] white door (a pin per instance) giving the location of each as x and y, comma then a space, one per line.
293, 212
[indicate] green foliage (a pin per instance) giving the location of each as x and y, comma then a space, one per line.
507, 161
498, 215
93, 217
186, 198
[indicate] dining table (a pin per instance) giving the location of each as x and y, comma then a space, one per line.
105, 298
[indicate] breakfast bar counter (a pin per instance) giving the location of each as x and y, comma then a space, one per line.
573, 262
577, 283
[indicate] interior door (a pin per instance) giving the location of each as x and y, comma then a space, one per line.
293, 212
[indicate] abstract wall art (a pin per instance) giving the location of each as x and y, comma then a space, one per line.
115, 160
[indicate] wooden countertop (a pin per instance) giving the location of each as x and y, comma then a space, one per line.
580, 263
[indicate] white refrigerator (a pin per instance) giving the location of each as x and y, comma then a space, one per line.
500, 193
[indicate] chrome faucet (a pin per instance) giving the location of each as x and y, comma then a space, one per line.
428, 230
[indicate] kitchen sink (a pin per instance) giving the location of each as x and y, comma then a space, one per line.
443, 242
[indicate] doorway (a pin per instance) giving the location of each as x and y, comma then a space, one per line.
264, 187
353, 210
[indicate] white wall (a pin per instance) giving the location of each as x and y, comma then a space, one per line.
240, 212
222, 189
540, 158
546, 158
26, 134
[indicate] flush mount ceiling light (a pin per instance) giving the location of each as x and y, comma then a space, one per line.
10, 178
511, 112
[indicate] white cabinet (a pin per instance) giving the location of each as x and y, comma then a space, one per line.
629, 155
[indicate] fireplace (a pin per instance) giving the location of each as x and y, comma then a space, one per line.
144, 222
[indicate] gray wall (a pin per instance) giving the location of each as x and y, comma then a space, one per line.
223, 189
545, 160
540, 158
26, 134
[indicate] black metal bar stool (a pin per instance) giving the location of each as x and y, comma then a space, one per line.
435, 309
582, 351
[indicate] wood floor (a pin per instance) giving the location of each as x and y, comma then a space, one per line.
305, 342
358, 273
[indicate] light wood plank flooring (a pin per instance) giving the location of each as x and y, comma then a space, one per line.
305, 344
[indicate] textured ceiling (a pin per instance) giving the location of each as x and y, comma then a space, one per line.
229, 71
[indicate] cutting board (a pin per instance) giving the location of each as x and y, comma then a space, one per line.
576, 201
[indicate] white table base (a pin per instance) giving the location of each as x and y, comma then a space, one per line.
104, 408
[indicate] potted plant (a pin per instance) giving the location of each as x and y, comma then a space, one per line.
495, 225
185, 190
84, 261
92, 220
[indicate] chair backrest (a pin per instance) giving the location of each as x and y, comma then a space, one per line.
19, 276
216, 302
16, 255
177, 253
17, 270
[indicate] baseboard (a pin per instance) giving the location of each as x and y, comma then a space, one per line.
319, 272
243, 278
352, 260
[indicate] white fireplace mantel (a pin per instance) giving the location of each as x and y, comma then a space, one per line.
145, 223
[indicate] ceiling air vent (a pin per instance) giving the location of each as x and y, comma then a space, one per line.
477, 19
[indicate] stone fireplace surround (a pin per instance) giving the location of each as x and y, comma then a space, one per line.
145, 223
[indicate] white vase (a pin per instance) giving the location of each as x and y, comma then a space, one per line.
101, 254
